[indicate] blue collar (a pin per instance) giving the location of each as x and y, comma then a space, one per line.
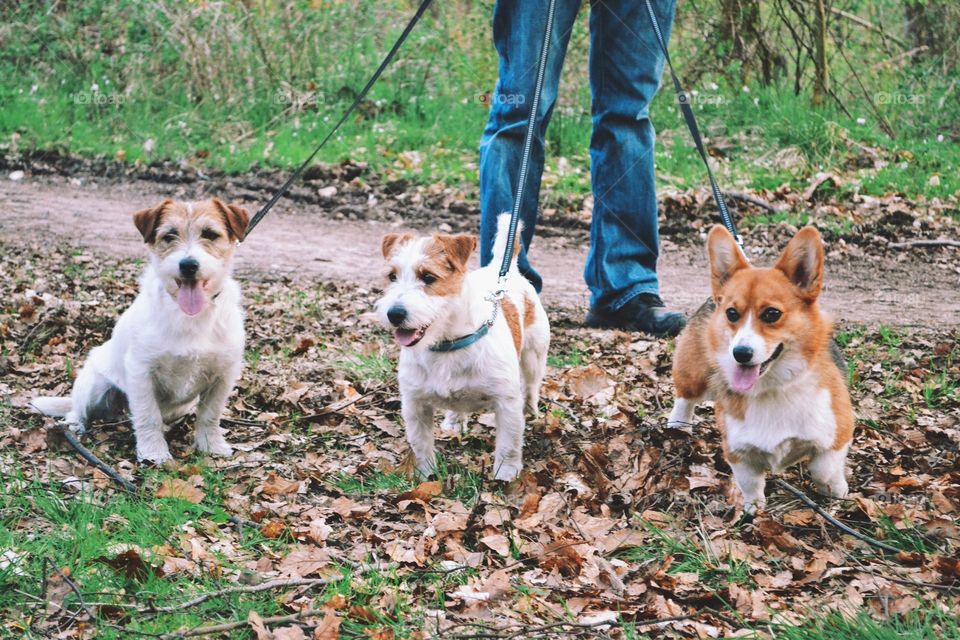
461, 343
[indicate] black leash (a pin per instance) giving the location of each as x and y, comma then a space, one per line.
346, 114
691, 121
445, 346
528, 144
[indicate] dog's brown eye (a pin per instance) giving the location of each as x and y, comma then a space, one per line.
770, 315
392, 276
428, 278
209, 234
732, 315
170, 236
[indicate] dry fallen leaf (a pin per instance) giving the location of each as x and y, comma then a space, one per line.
180, 489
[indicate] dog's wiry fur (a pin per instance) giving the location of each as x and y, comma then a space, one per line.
789, 400
179, 346
441, 300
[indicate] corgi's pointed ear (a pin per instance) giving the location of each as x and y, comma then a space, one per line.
802, 262
725, 257
390, 241
458, 248
148, 220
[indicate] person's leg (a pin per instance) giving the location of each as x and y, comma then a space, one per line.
518, 27
625, 67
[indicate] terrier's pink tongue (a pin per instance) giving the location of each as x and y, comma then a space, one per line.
745, 377
190, 298
405, 337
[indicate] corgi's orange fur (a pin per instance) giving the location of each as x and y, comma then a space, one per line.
762, 350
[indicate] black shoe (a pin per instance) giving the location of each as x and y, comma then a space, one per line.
644, 313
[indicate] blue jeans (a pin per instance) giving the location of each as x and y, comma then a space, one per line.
625, 68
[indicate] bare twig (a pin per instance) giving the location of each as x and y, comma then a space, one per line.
899, 57
76, 590
746, 197
265, 586
937, 242
513, 631
866, 24
90, 457
230, 626
804, 498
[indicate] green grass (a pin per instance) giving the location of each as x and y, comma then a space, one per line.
81, 532
375, 366
572, 358
926, 622
223, 107
688, 555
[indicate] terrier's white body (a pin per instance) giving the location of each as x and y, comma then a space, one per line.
179, 346
501, 371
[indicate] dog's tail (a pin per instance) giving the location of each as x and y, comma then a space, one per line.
57, 407
500, 243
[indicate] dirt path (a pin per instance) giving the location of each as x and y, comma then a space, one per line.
300, 241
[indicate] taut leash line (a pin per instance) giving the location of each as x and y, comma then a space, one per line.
528, 143
691, 121
346, 114
446, 346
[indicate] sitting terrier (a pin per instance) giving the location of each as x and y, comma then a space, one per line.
179, 346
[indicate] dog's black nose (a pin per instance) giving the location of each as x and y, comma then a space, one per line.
742, 354
189, 267
396, 315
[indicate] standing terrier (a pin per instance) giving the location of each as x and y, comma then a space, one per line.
180, 344
459, 352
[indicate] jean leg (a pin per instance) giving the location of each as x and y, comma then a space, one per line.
625, 68
518, 36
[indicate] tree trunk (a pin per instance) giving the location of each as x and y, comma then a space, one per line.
821, 78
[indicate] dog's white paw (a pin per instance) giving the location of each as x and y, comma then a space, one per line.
213, 443
507, 471
155, 452
751, 507
452, 423
835, 489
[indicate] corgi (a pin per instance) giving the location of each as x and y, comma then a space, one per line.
762, 349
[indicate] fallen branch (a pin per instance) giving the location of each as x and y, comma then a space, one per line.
746, 197
866, 24
230, 626
256, 588
514, 631
937, 242
90, 457
804, 498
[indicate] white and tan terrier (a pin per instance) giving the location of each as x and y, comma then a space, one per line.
179, 346
430, 302
762, 349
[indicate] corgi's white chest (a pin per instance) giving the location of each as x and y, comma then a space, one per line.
779, 428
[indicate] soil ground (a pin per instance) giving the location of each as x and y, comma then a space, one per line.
303, 241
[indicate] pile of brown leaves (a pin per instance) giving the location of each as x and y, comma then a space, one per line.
615, 519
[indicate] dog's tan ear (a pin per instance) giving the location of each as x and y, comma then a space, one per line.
235, 217
458, 248
148, 220
725, 257
802, 262
390, 241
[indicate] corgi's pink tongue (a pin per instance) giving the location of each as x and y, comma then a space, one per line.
405, 337
190, 297
745, 377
